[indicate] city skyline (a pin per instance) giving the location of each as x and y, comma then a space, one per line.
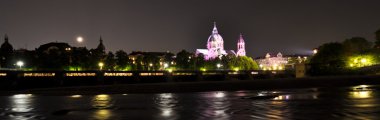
171, 25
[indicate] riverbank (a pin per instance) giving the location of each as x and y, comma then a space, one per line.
229, 85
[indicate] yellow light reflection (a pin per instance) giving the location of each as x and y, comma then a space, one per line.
102, 101
103, 114
361, 94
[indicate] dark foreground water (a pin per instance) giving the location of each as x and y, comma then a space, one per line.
357, 102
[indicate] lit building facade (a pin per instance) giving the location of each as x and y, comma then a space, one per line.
215, 46
279, 61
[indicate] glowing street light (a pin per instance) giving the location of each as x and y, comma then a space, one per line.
315, 51
20, 64
219, 65
166, 65
101, 64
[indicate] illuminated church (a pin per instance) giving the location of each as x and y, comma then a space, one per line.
215, 46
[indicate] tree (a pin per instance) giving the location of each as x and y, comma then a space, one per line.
356, 45
151, 62
183, 59
110, 61
199, 61
121, 60
377, 36
329, 59
79, 58
241, 63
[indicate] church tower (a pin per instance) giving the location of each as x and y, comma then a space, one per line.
101, 47
240, 46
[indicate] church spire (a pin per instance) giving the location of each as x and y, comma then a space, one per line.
101, 46
6, 38
241, 46
101, 40
241, 38
214, 30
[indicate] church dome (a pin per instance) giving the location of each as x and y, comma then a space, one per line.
215, 36
215, 40
6, 46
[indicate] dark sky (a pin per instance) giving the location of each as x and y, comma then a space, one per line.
288, 26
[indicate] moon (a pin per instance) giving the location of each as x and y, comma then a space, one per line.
79, 39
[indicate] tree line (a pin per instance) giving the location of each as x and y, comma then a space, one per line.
345, 57
81, 58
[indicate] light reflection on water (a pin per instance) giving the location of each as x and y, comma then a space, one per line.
358, 102
166, 103
102, 103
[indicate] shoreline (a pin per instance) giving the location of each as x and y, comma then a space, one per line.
203, 86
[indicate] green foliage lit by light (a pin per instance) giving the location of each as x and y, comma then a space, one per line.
127, 68
74, 68
360, 61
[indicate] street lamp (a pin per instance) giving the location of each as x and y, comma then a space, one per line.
315, 51
219, 65
166, 65
101, 64
20, 64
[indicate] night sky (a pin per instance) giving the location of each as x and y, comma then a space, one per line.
288, 26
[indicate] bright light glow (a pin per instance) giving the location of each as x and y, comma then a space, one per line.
21, 103
22, 95
166, 112
219, 94
79, 39
102, 101
355, 61
236, 69
363, 60
218, 65
102, 97
360, 61
280, 68
170, 70
166, 95
315, 51
76, 96
102, 114
261, 65
166, 65
361, 94
203, 69
20, 63
150, 64
101, 64
124, 94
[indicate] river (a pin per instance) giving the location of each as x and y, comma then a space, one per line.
356, 102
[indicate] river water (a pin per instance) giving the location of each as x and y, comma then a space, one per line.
356, 102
